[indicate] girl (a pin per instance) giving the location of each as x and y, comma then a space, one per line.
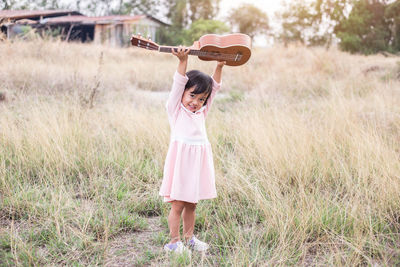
189, 169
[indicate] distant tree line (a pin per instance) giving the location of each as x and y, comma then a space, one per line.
359, 26
190, 19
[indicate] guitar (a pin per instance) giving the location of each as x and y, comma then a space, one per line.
234, 48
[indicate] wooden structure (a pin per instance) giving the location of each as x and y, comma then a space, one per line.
71, 25
111, 30
17, 22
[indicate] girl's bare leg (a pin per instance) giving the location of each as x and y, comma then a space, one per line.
188, 217
174, 219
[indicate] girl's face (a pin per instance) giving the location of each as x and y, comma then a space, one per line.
192, 101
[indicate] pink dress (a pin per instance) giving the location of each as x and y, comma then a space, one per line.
189, 168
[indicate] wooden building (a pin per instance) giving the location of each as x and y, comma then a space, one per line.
17, 22
110, 30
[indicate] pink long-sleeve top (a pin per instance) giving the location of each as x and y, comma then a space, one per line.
186, 126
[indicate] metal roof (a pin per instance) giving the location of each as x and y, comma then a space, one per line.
90, 20
26, 21
26, 14
68, 16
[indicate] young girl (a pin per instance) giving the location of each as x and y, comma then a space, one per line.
189, 169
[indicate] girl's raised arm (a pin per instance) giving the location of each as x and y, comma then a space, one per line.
182, 54
180, 80
218, 71
217, 77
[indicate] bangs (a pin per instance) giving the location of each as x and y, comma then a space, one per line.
202, 89
201, 81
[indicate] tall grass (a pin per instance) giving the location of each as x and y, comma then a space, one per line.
305, 142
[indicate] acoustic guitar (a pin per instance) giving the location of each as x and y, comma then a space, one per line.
234, 48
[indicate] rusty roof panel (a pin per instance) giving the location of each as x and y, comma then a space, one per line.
122, 17
90, 20
67, 19
26, 21
25, 14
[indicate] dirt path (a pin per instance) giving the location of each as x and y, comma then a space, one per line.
138, 248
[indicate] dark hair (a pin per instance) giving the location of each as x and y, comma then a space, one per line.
201, 81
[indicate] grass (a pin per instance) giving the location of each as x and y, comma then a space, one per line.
305, 145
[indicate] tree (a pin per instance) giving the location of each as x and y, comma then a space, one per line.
177, 12
295, 19
5, 4
171, 35
98, 7
178, 15
249, 20
334, 10
365, 30
202, 27
120, 7
31, 4
204, 9
90, 7
148, 7
365, 26
392, 15
312, 22
182, 14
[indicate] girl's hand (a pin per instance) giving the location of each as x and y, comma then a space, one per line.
220, 64
181, 53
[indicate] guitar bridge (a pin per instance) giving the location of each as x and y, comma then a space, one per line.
238, 57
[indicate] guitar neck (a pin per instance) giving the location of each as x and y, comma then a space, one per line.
168, 49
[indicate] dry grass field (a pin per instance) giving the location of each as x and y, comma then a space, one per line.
305, 142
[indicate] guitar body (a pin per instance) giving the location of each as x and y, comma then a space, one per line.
234, 48
234, 44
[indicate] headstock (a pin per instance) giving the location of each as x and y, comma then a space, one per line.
139, 41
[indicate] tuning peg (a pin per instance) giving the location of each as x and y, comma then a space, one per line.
139, 35
149, 37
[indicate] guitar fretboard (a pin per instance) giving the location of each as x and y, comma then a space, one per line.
214, 55
192, 52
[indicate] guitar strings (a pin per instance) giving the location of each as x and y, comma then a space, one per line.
211, 55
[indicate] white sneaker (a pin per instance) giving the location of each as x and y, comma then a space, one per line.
197, 245
177, 247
